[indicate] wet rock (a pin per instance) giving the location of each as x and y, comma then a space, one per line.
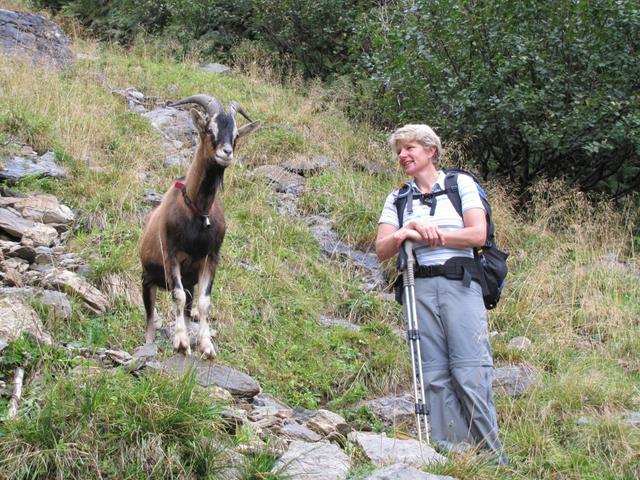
17, 318
514, 380
520, 343
24, 35
208, 373
382, 450
313, 461
57, 301
337, 250
66, 281
309, 166
400, 471
395, 410
280, 179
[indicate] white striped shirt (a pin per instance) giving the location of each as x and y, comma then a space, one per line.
445, 217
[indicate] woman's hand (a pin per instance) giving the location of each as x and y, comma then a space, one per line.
426, 232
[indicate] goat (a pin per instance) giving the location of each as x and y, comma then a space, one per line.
181, 240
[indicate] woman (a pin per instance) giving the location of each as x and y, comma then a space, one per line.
454, 340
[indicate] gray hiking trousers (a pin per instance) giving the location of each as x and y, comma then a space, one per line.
456, 362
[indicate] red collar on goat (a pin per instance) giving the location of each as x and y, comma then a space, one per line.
205, 216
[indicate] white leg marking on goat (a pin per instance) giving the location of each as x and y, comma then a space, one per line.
205, 345
181, 337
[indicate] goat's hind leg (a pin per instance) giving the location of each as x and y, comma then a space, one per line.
205, 282
149, 299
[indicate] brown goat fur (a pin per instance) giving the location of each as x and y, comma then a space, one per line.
181, 241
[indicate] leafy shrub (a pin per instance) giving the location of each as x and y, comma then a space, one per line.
537, 89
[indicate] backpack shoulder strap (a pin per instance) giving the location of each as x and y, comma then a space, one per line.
451, 187
400, 202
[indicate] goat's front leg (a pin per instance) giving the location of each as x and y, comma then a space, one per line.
205, 281
180, 337
149, 299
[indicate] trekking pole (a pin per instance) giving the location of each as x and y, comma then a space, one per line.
413, 338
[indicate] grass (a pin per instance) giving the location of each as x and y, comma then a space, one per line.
572, 289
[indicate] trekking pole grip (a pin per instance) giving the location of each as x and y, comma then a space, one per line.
407, 250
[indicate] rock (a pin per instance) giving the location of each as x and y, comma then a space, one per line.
295, 431
332, 322
67, 281
40, 235
313, 461
208, 373
14, 224
14, 168
179, 134
20, 265
42, 209
26, 252
17, 318
152, 198
309, 166
24, 35
3, 344
325, 423
396, 410
519, 343
382, 450
400, 471
280, 179
57, 301
632, 418
114, 285
214, 67
266, 400
514, 380
337, 250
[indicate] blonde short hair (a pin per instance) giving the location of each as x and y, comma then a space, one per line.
420, 133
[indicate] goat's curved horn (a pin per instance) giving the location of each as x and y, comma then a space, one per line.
210, 104
235, 108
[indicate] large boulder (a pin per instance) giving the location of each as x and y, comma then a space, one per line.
25, 35
17, 318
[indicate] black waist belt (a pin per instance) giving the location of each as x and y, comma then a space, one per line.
456, 268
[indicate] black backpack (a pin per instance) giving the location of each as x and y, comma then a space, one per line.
491, 261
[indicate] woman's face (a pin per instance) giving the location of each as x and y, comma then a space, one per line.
413, 157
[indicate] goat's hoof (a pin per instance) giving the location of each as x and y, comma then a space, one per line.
207, 350
181, 343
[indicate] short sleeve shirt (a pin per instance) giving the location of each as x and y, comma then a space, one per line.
445, 217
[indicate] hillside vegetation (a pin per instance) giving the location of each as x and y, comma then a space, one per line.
573, 287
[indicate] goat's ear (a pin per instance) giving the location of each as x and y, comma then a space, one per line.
248, 128
199, 121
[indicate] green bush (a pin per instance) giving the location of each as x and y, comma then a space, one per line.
533, 89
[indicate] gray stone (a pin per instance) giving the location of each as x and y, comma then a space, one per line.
25, 252
514, 380
58, 301
178, 132
3, 344
295, 431
400, 471
309, 166
17, 318
208, 373
313, 461
24, 35
14, 168
14, 224
632, 418
214, 67
280, 179
266, 400
333, 322
395, 410
382, 450
519, 343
